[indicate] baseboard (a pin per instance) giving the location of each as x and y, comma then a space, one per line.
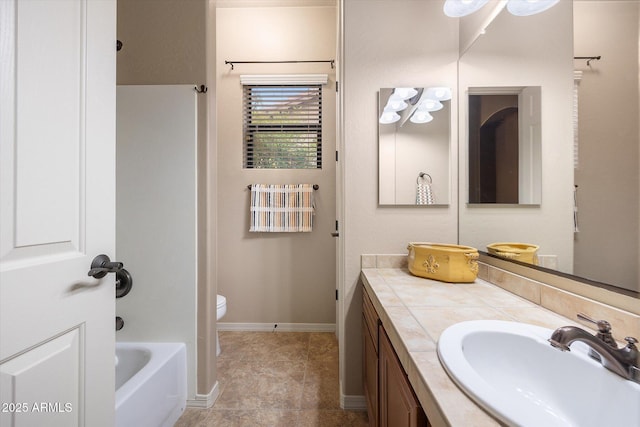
353, 403
284, 327
205, 401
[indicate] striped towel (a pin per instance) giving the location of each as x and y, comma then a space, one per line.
282, 208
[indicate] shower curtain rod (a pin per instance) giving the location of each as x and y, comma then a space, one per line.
330, 61
588, 58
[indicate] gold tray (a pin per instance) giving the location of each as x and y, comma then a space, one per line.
523, 252
444, 262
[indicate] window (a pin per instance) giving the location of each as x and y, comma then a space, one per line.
282, 126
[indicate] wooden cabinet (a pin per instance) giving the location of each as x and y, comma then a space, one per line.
370, 323
391, 401
399, 406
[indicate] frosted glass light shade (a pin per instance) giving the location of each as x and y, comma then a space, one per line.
389, 117
529, 7
403, 93
430, 105
395, 105
439, 93
459, 8
420, 116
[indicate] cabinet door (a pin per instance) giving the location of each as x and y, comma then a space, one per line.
370, 318
399, 407
370, 374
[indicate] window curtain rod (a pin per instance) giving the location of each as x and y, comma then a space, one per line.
330, 61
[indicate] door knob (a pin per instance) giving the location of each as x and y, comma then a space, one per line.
119, 323
124, 283
101, 265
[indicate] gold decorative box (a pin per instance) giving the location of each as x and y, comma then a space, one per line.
523, 252
444, 262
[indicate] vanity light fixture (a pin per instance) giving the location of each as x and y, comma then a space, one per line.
389, 117
529, 7
421, 116
403, 93
439, 93
395, 105
430, 105
421, 102
459, 8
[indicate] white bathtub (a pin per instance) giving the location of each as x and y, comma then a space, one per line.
151, 383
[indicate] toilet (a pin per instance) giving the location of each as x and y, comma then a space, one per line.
221, 310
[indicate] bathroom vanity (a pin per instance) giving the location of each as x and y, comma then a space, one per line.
404, 315
390, 398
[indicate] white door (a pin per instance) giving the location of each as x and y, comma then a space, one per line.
57, 211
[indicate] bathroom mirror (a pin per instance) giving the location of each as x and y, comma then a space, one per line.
413, 146
591, 231
504, 145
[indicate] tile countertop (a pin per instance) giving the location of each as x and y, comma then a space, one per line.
414, 311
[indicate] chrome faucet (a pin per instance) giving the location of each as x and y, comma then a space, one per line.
623, 361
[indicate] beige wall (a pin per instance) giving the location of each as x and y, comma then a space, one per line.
271, 278
164, 42
608, 153
386, 44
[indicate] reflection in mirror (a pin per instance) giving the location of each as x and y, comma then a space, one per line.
607, 157
504, 145
515, 52
474, 25
413, 146
600, 244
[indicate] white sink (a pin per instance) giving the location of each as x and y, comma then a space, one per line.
511, 370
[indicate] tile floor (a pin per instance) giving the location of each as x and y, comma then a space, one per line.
287, 379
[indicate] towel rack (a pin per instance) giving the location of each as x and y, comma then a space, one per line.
315, 186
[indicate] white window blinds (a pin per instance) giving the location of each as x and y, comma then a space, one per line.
282, 126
